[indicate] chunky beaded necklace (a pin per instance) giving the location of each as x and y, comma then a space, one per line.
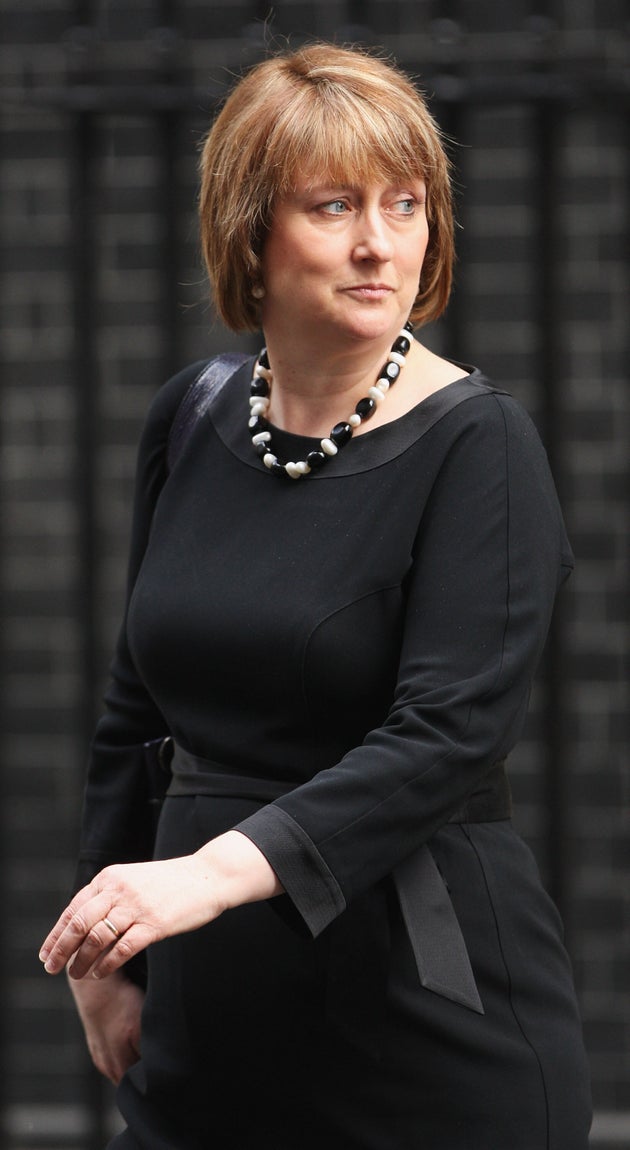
341, 433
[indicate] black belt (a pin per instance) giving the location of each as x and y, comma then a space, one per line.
436, 938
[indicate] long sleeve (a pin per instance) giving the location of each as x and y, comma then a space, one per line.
490, 554
116, 825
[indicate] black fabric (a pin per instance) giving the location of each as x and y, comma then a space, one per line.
370, 621
202, 392
367, 638
190, 774
439, 949
258, 1036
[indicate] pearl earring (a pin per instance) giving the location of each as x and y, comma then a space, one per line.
258, 291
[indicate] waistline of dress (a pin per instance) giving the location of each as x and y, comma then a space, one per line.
193, 775
439, 948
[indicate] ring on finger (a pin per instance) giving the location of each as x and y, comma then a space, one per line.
110, 926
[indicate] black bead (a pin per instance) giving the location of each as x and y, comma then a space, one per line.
391, 371
263, 358
259, 386
262, 448
402, 344
316, 459
260, 425
409, 325
340, 434
365, 408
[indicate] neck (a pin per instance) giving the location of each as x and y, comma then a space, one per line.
259, 421
312, 392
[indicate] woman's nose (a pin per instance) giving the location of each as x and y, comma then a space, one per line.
373, 241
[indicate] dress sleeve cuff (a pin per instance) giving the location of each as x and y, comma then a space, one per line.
305, 876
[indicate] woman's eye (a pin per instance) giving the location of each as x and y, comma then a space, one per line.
334, 207
405, 207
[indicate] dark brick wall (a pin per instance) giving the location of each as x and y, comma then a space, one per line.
149, 313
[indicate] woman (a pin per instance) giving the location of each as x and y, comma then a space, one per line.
340, 587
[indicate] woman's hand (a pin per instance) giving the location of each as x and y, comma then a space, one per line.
129, 906
126, 908
110, 1014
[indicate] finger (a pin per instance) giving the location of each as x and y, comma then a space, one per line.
102, 937
119, 1062
64, 920
111, 1061
87, 933
135, 939
106, 1065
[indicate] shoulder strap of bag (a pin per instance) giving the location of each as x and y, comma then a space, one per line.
197, 399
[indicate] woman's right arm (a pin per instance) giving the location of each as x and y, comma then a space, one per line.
117, 822
110, 1011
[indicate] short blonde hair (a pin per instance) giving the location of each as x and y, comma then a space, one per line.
338, 112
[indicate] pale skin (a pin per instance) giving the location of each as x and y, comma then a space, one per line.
146, 902
341, 267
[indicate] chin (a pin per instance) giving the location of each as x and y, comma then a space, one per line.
376, 325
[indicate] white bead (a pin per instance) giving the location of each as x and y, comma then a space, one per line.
329, 447
294, 470
404, 334
260, 403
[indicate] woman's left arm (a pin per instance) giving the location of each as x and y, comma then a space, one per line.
490, 554
128, 906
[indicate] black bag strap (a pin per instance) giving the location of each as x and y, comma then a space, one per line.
197, 399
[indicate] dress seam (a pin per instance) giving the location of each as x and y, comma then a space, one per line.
320, 623
474, 384
456, 745
466, 830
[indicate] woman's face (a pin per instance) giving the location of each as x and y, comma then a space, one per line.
343, 261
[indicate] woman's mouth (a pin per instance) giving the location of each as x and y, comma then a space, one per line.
370, 290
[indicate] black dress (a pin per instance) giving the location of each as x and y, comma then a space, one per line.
350, 653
